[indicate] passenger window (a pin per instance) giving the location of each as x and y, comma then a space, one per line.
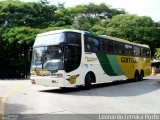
91, 44
104, 45
110, 47
148, 52
136, 51
118, 48
145, 52
128, 49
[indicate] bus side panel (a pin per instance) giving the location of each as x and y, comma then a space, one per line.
110, 69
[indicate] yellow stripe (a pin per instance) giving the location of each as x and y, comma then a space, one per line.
4, 97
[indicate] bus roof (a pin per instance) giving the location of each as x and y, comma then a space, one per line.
92, 34
59, 31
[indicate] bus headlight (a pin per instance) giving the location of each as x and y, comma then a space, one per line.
58, 75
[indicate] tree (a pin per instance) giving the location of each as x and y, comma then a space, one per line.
64, 16
21, 35
18, 41
83, 22
157, 54
101, 11
85, 16
91, 14
16, 13
98, 29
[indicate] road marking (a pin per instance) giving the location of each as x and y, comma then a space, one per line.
4, 97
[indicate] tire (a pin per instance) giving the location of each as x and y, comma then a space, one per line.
141, 76
88, 82
136, 76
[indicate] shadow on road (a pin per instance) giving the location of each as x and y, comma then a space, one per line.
94, 86
112, 89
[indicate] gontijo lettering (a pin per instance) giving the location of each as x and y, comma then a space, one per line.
128, 60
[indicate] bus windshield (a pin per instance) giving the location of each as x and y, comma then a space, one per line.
48, 57
53, 39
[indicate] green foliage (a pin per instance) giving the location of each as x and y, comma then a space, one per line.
157, 54
83, 22
98, 30
83, 17
21, 35
63, 17
100, 11
88, 15
16, 13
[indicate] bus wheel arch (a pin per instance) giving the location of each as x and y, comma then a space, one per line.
89, 79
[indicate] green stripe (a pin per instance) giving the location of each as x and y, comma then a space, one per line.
105, 64
109, 64
115, 65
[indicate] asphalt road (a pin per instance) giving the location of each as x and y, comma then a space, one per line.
126, 97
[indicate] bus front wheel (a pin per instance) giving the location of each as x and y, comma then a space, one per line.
88, 81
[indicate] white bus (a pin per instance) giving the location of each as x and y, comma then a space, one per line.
70, 58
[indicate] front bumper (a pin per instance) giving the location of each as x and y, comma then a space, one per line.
48, 81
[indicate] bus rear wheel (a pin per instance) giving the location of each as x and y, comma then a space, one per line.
136, 76
141, 75
88, 81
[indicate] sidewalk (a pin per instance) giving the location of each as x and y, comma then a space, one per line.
157, 76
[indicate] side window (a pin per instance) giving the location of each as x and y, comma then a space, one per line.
104, 44
118, 48
148, 52
87, 44
145, 52
91, 44
128, 49
73, 38
136, 51
110, 47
